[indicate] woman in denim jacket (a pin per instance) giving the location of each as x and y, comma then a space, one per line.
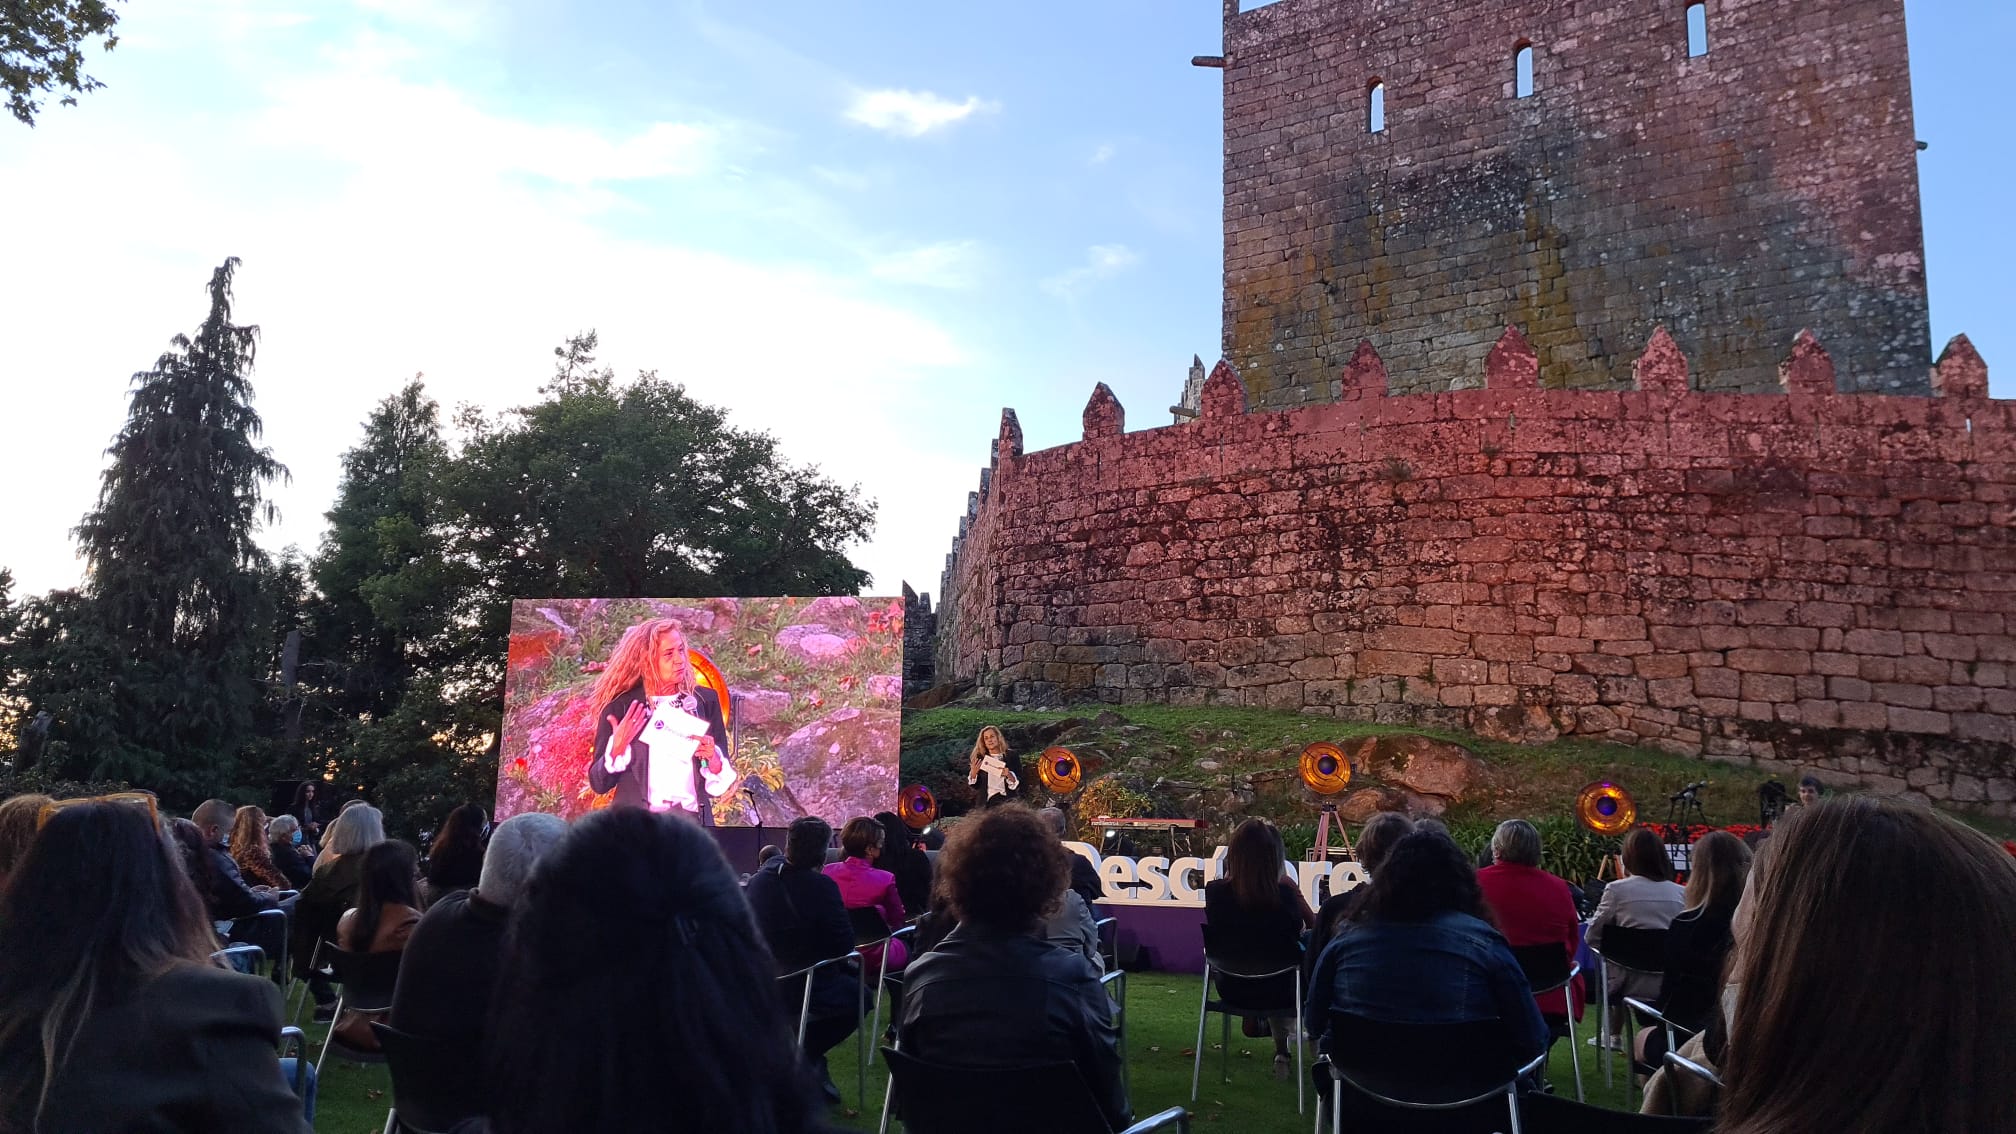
1423, 951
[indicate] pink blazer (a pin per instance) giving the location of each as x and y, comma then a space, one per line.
861, 887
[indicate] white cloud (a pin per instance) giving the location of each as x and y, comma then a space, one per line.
850, 180
913, 114
1102, 261
1103, 154
947, 264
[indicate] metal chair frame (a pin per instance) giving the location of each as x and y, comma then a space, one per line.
1225, 1040
1603, 963
1111, 955
805, 1013
1676, 1034
882, 981
1161, 1120
294, 1039
225, 957
1574, 1042
1338, 1077
1685, 1065
344, 998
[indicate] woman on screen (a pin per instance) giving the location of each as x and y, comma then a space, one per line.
660, 739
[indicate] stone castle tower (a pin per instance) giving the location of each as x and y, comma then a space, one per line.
1583, 170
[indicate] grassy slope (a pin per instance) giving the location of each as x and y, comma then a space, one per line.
1526, 781
1161, 1032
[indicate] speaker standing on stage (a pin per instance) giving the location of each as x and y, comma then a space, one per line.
660, 740
990, 759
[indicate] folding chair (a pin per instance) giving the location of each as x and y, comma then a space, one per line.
1421, 1067
805, 1012
1111, 953
1548, 969
298, 996
935, 1099
365, 985
435, 1084
239, 958
276, 929
293, 1039
1676, 1033
1687, 1066
1230, 1004
1634, 951
879, 934
1115, 984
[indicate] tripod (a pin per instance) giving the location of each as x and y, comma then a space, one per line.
1683, 810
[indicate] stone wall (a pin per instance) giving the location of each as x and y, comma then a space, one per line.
1805, 577
1734, 198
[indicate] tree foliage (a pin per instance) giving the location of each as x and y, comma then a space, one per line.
42, 50
152, 673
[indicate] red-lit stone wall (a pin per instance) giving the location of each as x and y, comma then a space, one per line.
1735, 197
1804, 578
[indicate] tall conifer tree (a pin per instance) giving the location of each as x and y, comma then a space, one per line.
173, 572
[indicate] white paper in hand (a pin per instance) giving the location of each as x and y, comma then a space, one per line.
673, 735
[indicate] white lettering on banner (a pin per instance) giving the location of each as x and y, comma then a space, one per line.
1156, 881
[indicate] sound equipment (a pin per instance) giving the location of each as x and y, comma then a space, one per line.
1605, 808
1058, 769
1110, 828
917, 806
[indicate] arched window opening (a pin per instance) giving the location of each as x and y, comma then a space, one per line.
1375, 119
1522, 66
1697, 30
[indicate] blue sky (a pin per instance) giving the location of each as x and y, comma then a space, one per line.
863, 227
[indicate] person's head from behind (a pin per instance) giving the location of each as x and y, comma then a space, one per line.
1809, 790
633, 974
283, 831
387, 880
248, 830
805, 842
1831, 940
98, 905
516, 847
215, 818
19, 817
356, 830
461, 833
1516, 842
1054, 816
896, 838
1645, 855
194, 850
861, 838
1376, 838
1718, 866
1254, 864
769, 851
1425, 876
1003, 870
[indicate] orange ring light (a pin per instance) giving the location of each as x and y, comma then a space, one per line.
1325, 768
1059, 770
706, 673
917, 806
1605, 808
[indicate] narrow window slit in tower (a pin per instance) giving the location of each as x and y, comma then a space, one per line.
1522, 63
1697, 30
1376, 113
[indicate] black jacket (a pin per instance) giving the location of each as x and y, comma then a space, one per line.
191, 1049
448, 968
982, 999
804, 921
630, 783
1085, 880
290, 861
229, 897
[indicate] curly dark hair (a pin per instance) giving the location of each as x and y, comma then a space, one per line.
1003, 869
1425, 874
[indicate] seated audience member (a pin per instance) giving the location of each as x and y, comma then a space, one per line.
1842, 1019
804, 920
1084, 876
1375, 840
330, 892
637, 994
862, 886
994, 993
902, 857
1532, 907
1698, 941
769, 851
20, 815
225, 892
455, 860
387, 910
1256, 917
1423, 951
249, 850
283, 846
111, 1016
449, 968
1645, 898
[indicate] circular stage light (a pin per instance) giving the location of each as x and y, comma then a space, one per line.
1058, 769
917, 806
1606, 809
1325, 768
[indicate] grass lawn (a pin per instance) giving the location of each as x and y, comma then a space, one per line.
1161, 1032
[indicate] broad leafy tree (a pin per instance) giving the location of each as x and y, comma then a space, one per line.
42, 50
